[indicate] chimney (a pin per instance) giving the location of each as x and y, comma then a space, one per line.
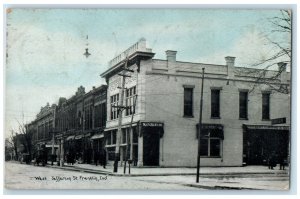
171, 55
282, 71
80, 90
230, 66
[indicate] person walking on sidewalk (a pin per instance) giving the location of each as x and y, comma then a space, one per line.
103, 158
272, 161
96, 157
281, 161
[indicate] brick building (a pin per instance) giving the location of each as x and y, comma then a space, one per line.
44, 126
237, 115
75, 125
80, 121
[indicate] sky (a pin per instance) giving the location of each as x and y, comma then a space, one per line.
45, 47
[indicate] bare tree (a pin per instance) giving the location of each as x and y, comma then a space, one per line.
26, 138
279, 39
13, 141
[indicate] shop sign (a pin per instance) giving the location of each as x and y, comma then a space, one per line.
50, 145
152, 124
210, 126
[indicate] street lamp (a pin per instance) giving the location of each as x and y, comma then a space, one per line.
87, 54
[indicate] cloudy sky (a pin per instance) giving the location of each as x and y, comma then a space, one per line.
45, 46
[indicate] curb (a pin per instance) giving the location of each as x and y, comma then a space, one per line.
79, 169
217, 187
233, 174
162, 174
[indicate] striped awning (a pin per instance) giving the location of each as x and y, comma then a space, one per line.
77, 137
97, 136
70, 137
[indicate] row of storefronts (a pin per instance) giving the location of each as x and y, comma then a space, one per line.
160, 115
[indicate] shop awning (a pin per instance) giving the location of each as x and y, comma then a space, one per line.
210, 130
97, 136
266, 127
152, 127
87, 135
77, 137
123, 126
50, 146
70, 137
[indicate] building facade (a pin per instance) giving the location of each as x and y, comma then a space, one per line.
72, 127
161, 128
80, 124
44, 126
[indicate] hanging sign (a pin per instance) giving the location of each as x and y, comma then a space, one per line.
152, 124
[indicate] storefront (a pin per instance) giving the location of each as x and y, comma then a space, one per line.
98, 141
128, 144
262, 141
151, 132
139, 143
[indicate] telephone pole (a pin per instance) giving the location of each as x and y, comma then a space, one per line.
131, 137
120, 109
200, 127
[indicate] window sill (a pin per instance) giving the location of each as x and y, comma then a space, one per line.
210, 157
243, 118
188, 116
111, 145
265, 119
113, 120
215, 117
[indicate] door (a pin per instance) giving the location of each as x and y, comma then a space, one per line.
151, 148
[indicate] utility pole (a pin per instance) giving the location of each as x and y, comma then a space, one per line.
120, 108
200, 127
53, 136
131, 137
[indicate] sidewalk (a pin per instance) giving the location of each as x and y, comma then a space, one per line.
165, 171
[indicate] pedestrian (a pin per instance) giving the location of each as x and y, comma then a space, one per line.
89, 155
68, 158
272, 161
281, 161
103, 158
96, 157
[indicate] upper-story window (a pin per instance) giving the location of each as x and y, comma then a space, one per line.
130, 95
266, 106
88, 113
79, 117
100, 115
215, 103
243, 105
188, 101
114, 102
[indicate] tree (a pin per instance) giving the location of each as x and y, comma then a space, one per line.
13, 141
26, 138
279, 39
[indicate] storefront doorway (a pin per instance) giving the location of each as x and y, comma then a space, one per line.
261, 142
151, 148
151, 132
